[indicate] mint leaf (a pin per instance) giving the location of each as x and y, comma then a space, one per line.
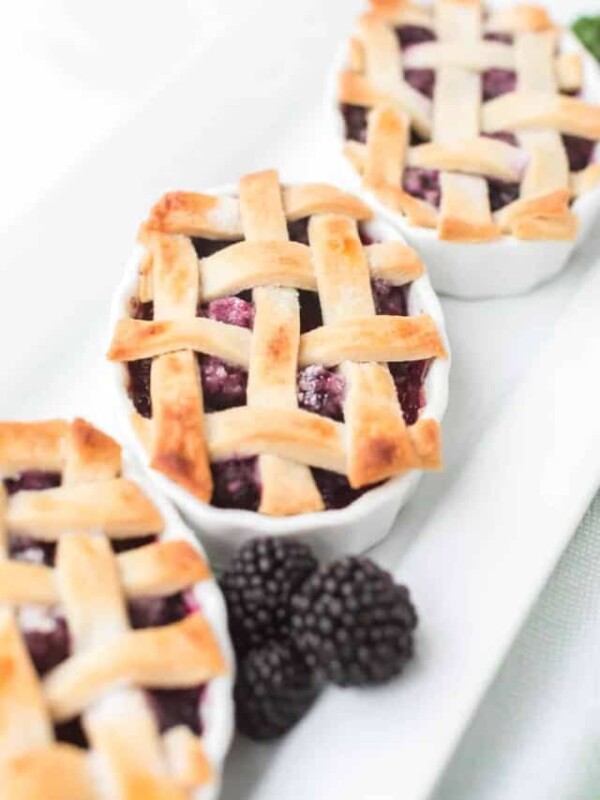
588, 30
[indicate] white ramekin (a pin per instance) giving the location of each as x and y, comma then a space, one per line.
217, 700
505, 267
349, 530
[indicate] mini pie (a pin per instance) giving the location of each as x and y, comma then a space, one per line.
104, 655
469, 122
269, 354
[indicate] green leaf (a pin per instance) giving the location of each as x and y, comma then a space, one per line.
588, 30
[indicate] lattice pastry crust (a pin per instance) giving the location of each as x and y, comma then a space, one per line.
456, 124
373, 443
109, 663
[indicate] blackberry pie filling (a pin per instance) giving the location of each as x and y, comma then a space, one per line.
319, 390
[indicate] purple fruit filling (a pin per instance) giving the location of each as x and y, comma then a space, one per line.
496, 82
236, 484
174, 707
223, 384
579, 151
503, 136
33, 551
365, 238
298, 229
123, 545
310, 311
231, 310
143, 311
139, 385
321, 391
335, 489
409, 35
208, 247
423, 80
49, 642
423, 183
502, 193
71, 732
355, 122
139, 371
390, 300
154, 612
504, 38
409, 378
32, 481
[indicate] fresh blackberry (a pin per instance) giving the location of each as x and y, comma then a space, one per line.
353, 624
258, 586
274, 690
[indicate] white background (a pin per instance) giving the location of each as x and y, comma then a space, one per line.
72, 72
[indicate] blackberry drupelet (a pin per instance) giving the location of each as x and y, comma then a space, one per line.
274, 690
353, 624
258, 586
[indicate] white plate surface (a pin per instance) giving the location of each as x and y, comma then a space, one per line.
519, 426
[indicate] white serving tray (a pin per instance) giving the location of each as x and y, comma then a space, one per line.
478, 542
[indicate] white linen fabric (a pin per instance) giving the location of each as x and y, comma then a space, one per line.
536, 736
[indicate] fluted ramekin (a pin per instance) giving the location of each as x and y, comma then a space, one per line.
349, 530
